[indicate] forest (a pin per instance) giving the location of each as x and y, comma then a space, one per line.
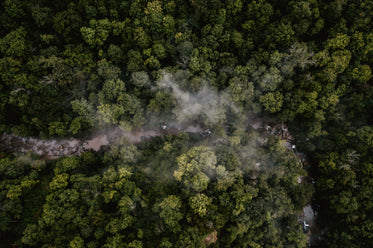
222, 120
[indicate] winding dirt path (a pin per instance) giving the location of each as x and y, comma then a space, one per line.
54, 148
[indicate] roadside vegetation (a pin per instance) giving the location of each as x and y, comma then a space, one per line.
73, 68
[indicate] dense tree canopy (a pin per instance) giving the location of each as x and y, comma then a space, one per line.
72, 68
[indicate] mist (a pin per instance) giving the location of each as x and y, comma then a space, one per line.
205, 106
196, 111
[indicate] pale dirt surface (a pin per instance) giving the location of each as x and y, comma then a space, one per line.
310, 227
309, 215
47, 148
51, 149
95, 143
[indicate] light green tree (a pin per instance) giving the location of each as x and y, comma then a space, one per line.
97, 32
196, 167
170, 212
200, 204
272, 102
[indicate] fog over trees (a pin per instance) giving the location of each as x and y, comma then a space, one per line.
186, 123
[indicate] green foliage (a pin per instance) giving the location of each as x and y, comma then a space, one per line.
199, 204
362, 74
115, 53
66, 164
67, 22
57, 128
77, 242
14, 43
113, 206
272, 102
60, 181
195, 167
97, 32
75, 67
338, 42
169, 211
